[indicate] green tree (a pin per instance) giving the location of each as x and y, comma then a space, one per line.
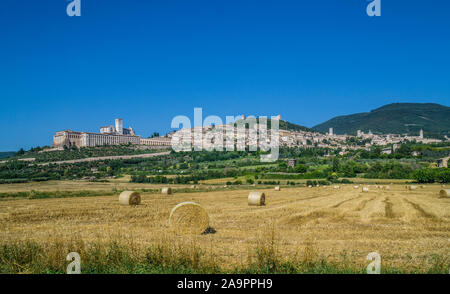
282, 164
300, 168
336, 164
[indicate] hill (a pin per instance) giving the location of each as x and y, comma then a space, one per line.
398, 118
6, 154
285, 125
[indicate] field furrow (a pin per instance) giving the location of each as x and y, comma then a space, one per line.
403, 226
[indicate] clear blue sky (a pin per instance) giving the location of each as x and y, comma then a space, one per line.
148, 61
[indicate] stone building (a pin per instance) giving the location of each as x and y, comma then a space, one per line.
84, 139
443, 162
109, 135
292, 162
159, 141
118, 129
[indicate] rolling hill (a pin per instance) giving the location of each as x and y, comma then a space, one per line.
398, 118
285, 125
7, 154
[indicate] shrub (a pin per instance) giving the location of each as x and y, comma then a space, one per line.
431, 175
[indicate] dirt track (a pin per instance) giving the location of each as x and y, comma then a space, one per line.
107, 158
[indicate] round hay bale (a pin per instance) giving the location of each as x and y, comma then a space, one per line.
189, 217
256, 199
444, 193
388, 188
336, 187
166, 190
193, 187
423, 186
129, 198
365, 189
355, 187
412, 187
309, 186
277, 188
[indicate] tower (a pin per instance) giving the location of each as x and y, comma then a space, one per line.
330, 132
119, 126
421, 134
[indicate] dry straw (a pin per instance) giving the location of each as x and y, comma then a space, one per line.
256, 199
277, 188
129, 198
445, 193
189, 217
166, 190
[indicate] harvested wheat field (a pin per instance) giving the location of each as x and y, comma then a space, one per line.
409, 229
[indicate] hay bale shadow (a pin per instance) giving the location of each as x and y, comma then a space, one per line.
209, 230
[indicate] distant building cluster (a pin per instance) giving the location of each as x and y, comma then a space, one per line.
109, 135
223, 135
245, 132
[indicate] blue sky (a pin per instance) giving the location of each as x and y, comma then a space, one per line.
148, 61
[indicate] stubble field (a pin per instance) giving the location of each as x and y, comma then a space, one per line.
318, 229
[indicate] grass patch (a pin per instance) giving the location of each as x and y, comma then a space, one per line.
53, 194
119, 255
118, 258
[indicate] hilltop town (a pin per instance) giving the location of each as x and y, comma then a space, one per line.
218, 137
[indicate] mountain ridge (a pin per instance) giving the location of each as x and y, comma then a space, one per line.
399, 118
